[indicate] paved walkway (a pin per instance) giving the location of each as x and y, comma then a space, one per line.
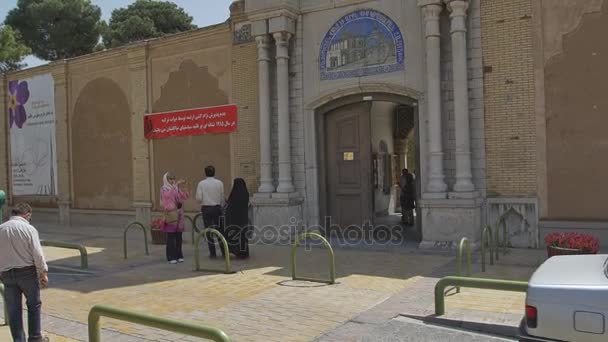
260, 302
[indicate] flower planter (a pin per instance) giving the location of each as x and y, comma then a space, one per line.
158, 236
552, 250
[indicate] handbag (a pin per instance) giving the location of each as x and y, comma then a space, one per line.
171, 216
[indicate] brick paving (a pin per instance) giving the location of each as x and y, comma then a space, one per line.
260, 302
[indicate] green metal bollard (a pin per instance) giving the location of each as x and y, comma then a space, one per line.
125, 236
486, 237
197, 262
84, 259
2, 202
332, 263
5, 305
177, 326
478, 283
464, 243
501, 223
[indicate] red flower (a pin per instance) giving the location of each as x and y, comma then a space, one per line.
587, 243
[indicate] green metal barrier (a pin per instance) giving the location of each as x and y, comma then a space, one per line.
125, 236
84, 259
332, 263
197, 262
464, 243
4, 304
188, 218
180, 327
2, 202
501, 223
478, 283
194, 219
486, 239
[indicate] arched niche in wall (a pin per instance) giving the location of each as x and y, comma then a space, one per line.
191, 86
101, 147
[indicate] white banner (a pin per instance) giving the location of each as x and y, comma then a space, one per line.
32, 132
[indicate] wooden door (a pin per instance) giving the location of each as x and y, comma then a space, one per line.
348, 165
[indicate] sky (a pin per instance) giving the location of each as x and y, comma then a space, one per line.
204, 12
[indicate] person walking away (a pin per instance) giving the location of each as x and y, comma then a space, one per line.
210, 192
407, 197
172, 199
23, 271
237, 219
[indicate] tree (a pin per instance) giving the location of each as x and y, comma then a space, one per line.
145, 19
57, 29
12, 51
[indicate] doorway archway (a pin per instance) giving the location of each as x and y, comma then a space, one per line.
340, 174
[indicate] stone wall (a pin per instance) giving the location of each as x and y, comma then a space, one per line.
104, 161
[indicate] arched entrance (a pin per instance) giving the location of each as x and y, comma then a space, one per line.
361, 147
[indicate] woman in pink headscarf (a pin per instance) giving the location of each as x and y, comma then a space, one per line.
172, 198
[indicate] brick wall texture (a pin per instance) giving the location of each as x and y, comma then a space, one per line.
246, 141
509, 98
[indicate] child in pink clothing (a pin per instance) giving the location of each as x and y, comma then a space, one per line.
171, 198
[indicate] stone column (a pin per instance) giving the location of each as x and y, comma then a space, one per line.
60, 76
140, 152
431, 9
282, 56
458, 12
266, 182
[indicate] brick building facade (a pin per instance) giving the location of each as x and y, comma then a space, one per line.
486, 83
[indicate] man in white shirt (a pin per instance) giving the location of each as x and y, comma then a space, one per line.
210, 192
23, 271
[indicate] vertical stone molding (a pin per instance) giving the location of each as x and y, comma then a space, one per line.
60, 76
282, 57
431, 10
266, 181
142, 201
458, 13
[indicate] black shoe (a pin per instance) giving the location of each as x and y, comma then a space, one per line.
213, 256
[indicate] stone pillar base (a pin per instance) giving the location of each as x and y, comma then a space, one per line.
143, 212
445, 222
64, 212
277, 218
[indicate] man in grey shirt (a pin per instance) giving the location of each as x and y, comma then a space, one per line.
23, 271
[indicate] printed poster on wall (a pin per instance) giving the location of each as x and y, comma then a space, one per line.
220, 119
31, 113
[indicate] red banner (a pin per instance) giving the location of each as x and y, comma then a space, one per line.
221, 119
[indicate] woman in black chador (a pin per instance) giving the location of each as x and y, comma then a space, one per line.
237, 219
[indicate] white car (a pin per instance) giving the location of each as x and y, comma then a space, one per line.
567, 300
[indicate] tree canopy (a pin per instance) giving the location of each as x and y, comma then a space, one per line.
145, 19
57, 29
12, 51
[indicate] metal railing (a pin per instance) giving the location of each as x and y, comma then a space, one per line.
84, 259
464, 243
197, 262
4, 304
332, 264
188, 218
132, 224
501, 223
195, 229
486, 239
180, 327
478, 283
2, 201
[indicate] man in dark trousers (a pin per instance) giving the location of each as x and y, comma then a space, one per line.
210, 192
23, 272
408, 197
